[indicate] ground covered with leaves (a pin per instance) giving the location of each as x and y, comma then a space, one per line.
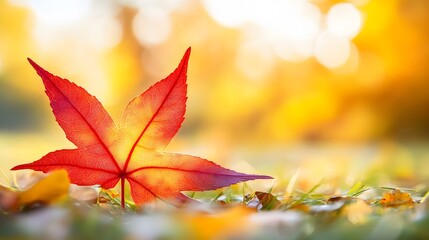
40, 206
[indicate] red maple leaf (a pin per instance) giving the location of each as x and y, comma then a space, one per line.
106, 154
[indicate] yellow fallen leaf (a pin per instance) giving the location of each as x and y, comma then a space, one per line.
219, 225
50, 189
396, 198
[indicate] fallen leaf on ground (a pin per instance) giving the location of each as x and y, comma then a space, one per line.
300, 207
268, 201
338, 199
396, 198
50, 189
106, 155
223, 224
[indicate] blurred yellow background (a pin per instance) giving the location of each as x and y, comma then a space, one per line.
321, 88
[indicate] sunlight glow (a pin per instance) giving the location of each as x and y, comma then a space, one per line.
344, 20
291, 51
57, 22
332, 51
152, 26
246, 63
104, 33
167, 5
227, 12
293, 30
352, 63
64, 12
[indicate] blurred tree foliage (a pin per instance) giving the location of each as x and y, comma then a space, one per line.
380, 95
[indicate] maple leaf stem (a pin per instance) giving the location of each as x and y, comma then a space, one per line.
123, 192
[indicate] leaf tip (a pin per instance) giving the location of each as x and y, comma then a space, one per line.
186, 57
33, 63
21, 167
38, 68
262, 177
17, 167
